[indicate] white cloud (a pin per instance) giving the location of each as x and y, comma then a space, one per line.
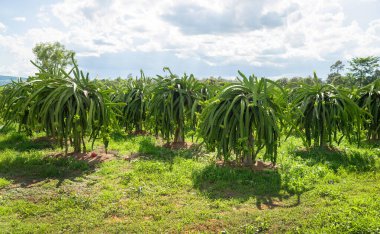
18, 50
369, 42
2, 27
261, 33
312, 29
19, 19
15, 58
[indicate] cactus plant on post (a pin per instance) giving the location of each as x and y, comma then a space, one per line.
243, 119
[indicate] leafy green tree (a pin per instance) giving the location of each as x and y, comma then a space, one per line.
344, 81
337, 67
283, 82
364, 68
244, 119
335, 77
52, 55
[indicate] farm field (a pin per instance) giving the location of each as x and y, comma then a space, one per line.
163, 190
177, 154
190, 116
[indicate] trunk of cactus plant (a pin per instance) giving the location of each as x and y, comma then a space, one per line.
250, 157
179, 135
139, 126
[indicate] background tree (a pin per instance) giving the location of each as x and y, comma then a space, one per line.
335, 77
283, 82
52, 55
364, 69
337, 67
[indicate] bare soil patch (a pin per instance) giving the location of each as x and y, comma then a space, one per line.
45, 139
258, 166
133, 156
92, 158
178, 145
209, 226
139, 133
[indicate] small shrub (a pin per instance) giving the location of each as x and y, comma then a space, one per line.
298, 178
4, 183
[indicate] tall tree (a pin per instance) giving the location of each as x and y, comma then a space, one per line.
364, 68
337, 67
335, 77
52, 55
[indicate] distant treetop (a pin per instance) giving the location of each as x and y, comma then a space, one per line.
52, 55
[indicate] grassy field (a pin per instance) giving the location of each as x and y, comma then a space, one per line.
174, 191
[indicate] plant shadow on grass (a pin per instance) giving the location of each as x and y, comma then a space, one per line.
120, 136
350, 160
370, 144
26, 164
149, 150
27, 170
21, 143
220, 182
147, 147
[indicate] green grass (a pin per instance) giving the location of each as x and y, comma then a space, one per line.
320, 190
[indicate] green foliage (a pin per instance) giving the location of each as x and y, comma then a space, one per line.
64, 105
13, 97
347, 81
364, 69
174, 104
50, 56
4, 183
244, 118
369, 100
298, 178
337, 67
323, 112
337, 79
135, 97
295, 82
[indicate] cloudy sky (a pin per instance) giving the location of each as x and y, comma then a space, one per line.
271, 38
